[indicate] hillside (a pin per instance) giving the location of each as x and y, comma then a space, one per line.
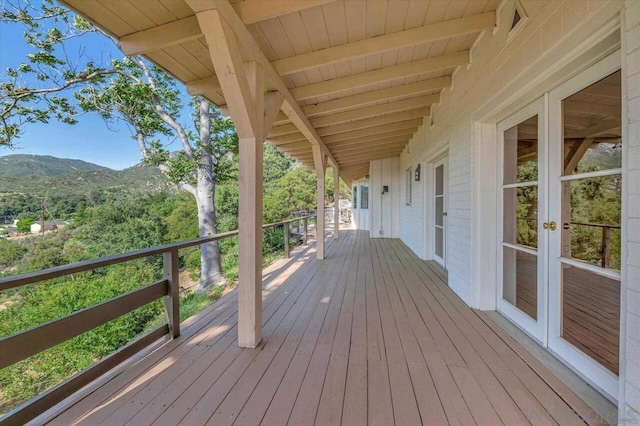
20, 165
36, 175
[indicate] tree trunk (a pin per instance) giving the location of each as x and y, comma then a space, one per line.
210, 265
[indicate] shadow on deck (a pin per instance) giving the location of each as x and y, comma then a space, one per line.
369, 335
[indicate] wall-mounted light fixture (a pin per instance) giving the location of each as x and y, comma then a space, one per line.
417, 173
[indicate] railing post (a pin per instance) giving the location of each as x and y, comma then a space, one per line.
286, 239
606, 250
306, 226
172, 299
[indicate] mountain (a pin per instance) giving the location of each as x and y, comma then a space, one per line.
38, 175
19, 165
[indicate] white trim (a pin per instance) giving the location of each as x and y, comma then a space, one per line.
521, 248
593, 372
520, 184
607, 273
535, 328
599, 173
441, 260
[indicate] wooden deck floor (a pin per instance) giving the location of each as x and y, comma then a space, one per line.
369, 336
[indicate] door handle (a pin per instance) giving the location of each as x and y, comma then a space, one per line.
444, 214
550, 225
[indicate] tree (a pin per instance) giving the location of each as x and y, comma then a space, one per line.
24, 225
51, 85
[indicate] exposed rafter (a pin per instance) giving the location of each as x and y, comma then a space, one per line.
370, 46
361, 113
186, 29
373, 122
363, 99
406, 125
162, 36
252, 11
385, 74
406, 134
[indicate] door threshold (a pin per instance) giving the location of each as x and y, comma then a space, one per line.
606, 409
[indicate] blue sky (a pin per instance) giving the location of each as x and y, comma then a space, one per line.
90, 139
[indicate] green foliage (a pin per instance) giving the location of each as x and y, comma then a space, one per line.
10, 252
24, 225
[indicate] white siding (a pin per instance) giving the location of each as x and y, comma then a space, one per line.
412, 216
384, 208
631, 72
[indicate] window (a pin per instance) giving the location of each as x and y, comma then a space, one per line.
355, 197
364, 197
408, 180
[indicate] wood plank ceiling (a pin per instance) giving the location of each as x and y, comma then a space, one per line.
362, 74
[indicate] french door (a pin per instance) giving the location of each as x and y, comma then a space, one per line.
440, 213
560, 230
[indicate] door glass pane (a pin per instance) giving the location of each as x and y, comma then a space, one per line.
592, 127
520, 219
439, 249
521, 152
440, 180
591, 314
364, 197
520, 280
591, 220
439, 211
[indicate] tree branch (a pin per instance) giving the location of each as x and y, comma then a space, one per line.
162, 113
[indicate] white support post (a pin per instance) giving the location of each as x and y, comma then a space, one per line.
243, 87
336, 202
319, 162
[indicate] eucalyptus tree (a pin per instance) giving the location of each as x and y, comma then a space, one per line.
61, 80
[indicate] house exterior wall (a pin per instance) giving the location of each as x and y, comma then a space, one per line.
501, 65
507, 72
630, 388
384, 207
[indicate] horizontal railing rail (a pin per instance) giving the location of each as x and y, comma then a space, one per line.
19, 346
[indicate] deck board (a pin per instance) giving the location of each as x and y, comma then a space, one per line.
370, 335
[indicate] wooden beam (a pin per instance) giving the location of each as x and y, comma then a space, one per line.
368, 144
272, 103
204, 85
406, 125
281, 140
160, 37
369, 156
382, 75
412, 37
395, 133
363, 147
378, 110
230, 71
363, 99
290, 107
576, 153
287, 129
374, 122
319, 163
252, 11
336, 202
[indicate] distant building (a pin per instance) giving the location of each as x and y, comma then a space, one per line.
49, 225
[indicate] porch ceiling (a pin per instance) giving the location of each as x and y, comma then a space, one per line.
351, 72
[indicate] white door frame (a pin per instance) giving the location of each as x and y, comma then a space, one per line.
592, 370
537, 329
441, 260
